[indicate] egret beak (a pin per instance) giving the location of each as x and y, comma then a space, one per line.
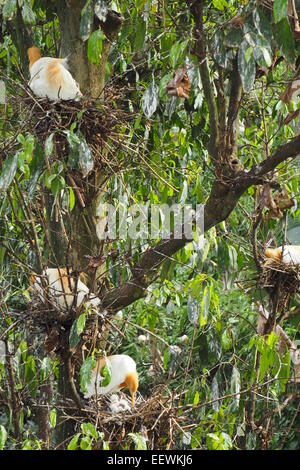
132, 383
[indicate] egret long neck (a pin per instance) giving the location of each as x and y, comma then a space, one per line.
34, 54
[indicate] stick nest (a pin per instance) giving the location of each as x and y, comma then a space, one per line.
99, 122
155, 418
284, 280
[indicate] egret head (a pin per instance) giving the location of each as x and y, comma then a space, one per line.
34, 54
132, 383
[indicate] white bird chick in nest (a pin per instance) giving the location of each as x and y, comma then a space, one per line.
291, 254
118, 405
124, 405
123, 375
50, 77
61, 288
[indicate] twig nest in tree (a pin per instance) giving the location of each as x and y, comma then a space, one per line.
282, 275
150, 417
76, 132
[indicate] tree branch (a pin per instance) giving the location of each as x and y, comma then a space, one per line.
200, 50
233, 110
284, 152
220, 204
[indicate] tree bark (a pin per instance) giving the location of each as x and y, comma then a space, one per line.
75, 237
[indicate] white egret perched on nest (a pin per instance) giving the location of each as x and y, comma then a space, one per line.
123, 375
50, 77
61, 287
291, 254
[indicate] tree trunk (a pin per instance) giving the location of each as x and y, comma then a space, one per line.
76, 237
89, 76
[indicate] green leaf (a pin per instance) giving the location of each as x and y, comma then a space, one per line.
80, 156
262, 24
36, 166
236, 384
95, 46
196, 399
8, 172
220, 4
264, 364
89, 430
213, 442
178, 52
49, 145
73, 442
86, 443
204, 306
80, 323
57, 184
106, 373
197, 437
140, 32
280, 10
30, 375
163, 84
218, 47
226, 340
166, 358
52, 416
246, 67
139, 440
71, 198
27, 12
262, 56
150, 100
233, 38
232, 257
3, 436
248, 54
227, 442
86, 372
87, 20
74, 337
45, 368
9, 8
285, 40
222, 56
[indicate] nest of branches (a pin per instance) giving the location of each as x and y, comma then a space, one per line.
95, 123
155, 418
281, 280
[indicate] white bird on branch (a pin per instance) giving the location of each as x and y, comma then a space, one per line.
50, 77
